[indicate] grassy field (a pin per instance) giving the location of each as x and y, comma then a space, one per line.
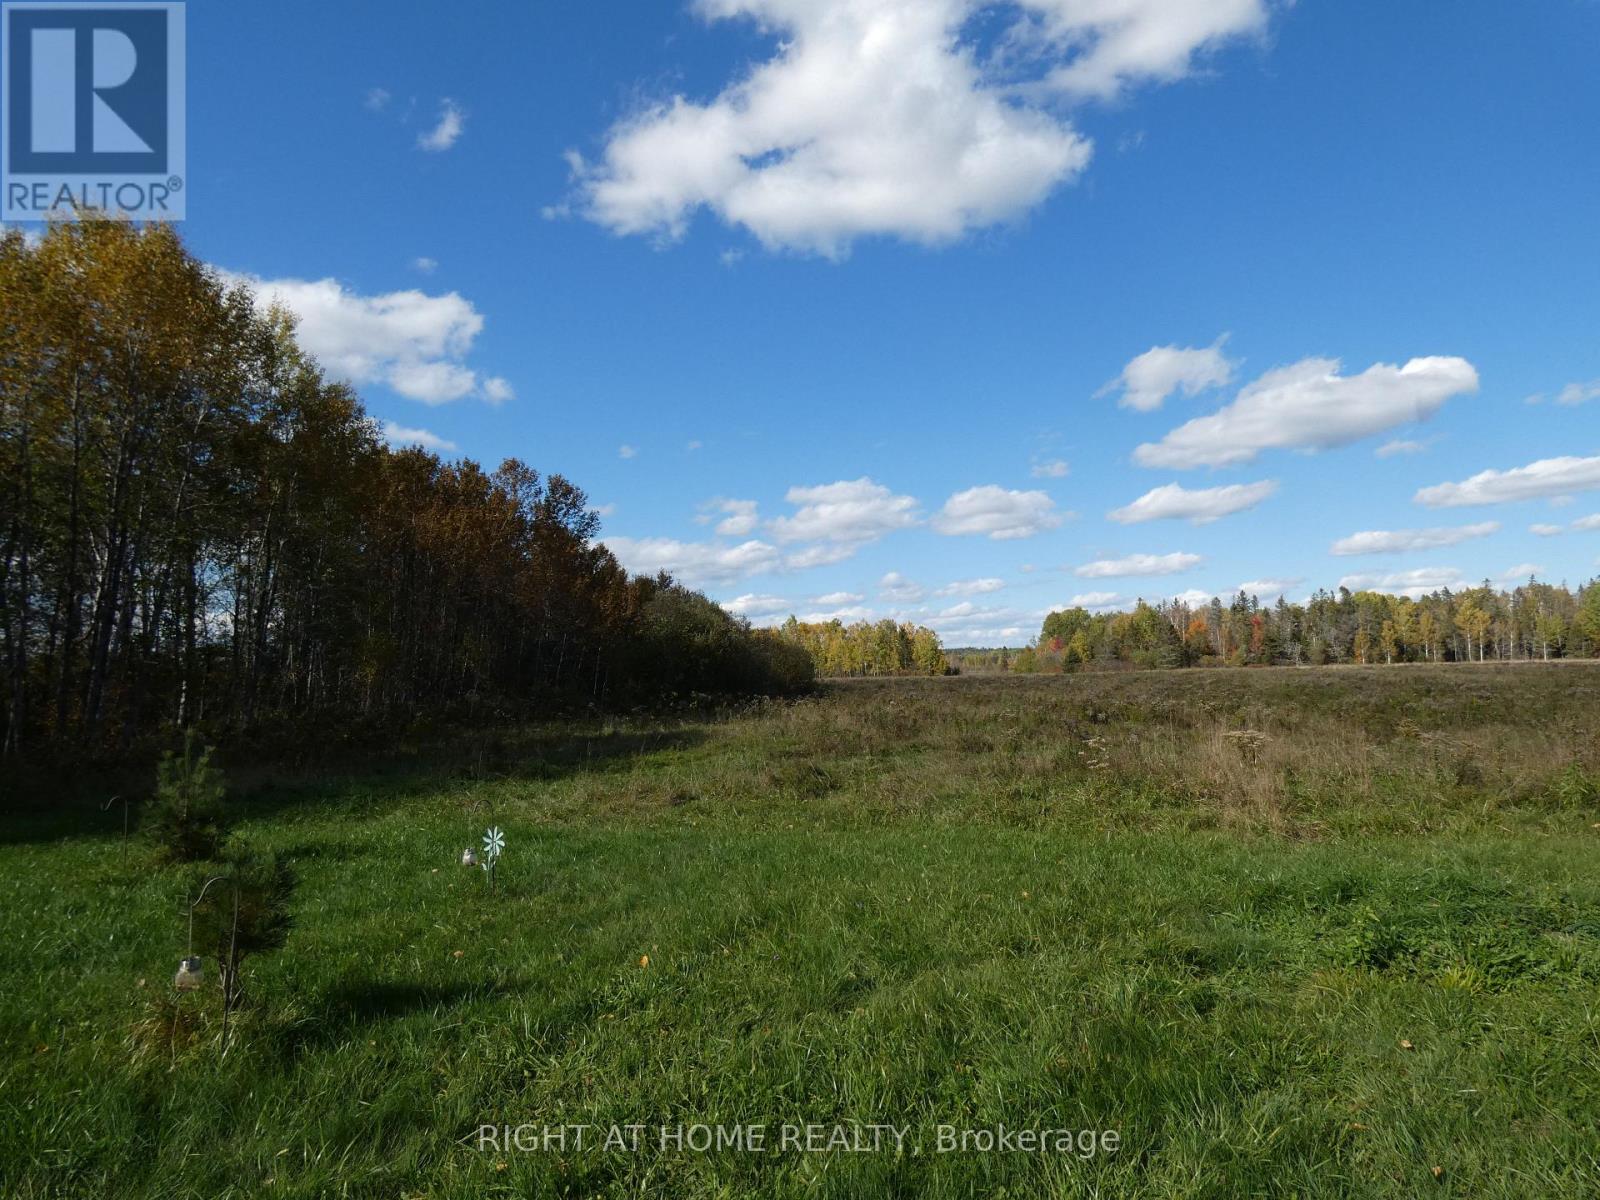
1287, 933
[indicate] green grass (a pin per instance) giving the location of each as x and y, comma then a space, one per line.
1326, 964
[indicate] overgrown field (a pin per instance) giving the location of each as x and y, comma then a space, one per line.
1292, 933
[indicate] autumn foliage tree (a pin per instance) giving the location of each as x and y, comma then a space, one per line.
1532, 621
197, 527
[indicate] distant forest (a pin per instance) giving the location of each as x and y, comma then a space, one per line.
867, 648
198, 529
1482, 624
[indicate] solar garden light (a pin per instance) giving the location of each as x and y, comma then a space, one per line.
191, 970
191, 974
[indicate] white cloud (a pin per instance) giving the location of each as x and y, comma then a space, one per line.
452, 121
1419, 582
1579, 393
1587, 523
1270, 587
753, 605
971, 587
821, 555
696, 563
1199, 507
425, 265
1546, 530
848, 614
1119, 43
1138, 564
1194, 598
602, 510
834, 599
399, 435
996, 513
1057, 469
693, 446
626, 451
1404, 541
1537, 480
433, 382
1099, 601
1521, 572
413, 342
897, 589
1400, 446
1309, 405
856, 510
1147, 381
739, 516
875, 117
377, 99
497, 390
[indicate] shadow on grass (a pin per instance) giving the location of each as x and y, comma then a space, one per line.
38, 811
352, 1010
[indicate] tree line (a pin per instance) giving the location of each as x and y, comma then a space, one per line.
867, 648
1534, 621
198, 528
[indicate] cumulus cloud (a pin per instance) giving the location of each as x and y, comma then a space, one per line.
1414, 583
848, 614
1404, 541
1546, 530
1579, 393
996, 513
739, 517
971, 587
1400, 446
447, 131
857, 510
1199, 506
897, 589
820, 555
1147, 381
1099, 601
399, 435
1056, 469
1587, 523
754, 605
433, 382
412, 342
497, 390
1521, 571
880, 117
696, 563
1546, 478
1310, 406
1138, 564
1117, 43
834, 599
1270, 587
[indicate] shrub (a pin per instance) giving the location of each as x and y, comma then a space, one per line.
186, 819
245, 911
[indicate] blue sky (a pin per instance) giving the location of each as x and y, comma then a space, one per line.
874, 297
